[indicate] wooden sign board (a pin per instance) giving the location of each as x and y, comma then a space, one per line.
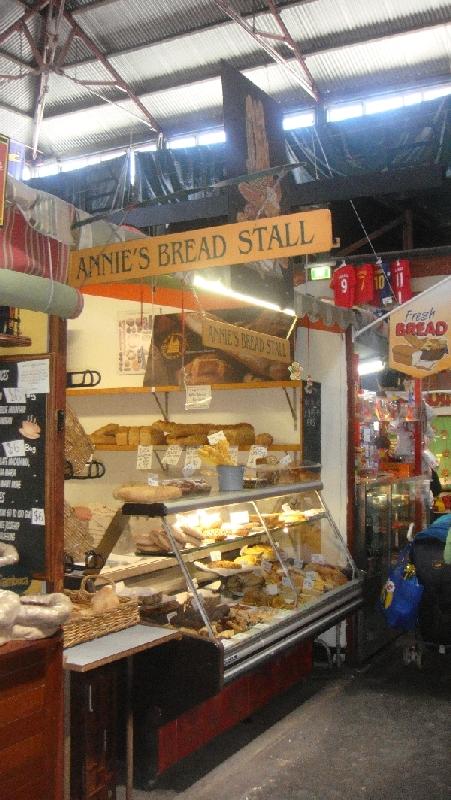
224, 245
420, 334
233, 339
4, 151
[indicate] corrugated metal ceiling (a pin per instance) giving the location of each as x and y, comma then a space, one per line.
169, 54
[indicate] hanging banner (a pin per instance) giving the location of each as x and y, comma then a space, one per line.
4, 150
224, 245
420, 338
242, 341
255, 142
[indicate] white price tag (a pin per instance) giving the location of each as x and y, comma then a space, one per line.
152, 480
188, 470
37, 516
266, 565
197, 397
218, 436
14, 449
234, 453
172, 455
311, 575
307, 583
144, 457
256, 451
215, 555
33, 376
192, 458
297, 563
286, 460
15, 395
286, 581
318, 558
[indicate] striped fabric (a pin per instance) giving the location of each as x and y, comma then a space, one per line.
24, 249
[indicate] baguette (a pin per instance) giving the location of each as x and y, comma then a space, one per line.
143, 493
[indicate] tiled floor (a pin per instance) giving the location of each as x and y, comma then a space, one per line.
379, 734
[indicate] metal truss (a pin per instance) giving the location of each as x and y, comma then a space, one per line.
50, 54
296, 65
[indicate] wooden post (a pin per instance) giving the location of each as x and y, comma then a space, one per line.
55, 554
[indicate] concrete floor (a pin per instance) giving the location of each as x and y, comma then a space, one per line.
379, 734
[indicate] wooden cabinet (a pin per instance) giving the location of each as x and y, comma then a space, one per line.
31, 720
93, 709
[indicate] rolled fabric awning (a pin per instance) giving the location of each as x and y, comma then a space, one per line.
39, 294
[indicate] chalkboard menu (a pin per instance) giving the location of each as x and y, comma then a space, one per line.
24, 388
311, 422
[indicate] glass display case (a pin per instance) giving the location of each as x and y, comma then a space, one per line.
385, 511
252, 572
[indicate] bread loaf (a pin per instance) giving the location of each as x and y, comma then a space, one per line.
133, 437
150, 435
143, 493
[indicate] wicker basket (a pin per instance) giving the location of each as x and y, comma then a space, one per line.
78, 447
85, 629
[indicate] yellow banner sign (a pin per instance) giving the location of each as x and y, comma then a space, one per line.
239, 243
420, 336
4, 148
242, 341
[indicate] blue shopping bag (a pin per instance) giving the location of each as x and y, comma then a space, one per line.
401, 594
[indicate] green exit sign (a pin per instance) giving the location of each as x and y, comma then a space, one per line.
320, 273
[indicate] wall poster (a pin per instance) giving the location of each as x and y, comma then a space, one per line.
135, 335
24, 393
179, 355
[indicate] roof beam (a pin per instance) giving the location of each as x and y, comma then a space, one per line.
295, 66
83, 36
369, 184
357, 37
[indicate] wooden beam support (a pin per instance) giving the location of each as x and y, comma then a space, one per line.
368, 184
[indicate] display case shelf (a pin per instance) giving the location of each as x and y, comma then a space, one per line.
308, 548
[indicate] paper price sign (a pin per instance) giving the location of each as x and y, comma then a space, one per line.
37, 516
33, 376
318, 558
172, 455
266, 566
15, 396
234, 453
197, 397
218, 436
15, 448
256, 451
286, 582
192, 458
297, 563
286, 460
144, 457
307, 583
215, 555
312, 576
